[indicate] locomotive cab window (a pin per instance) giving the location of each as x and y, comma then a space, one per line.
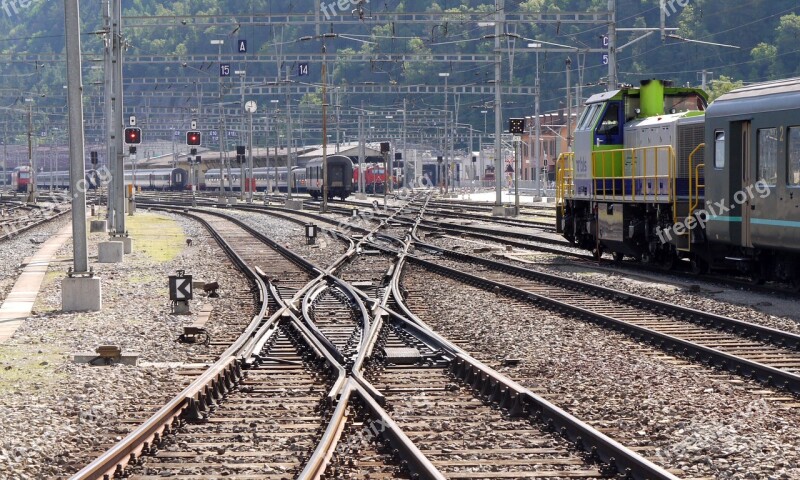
590, 116
719, 149
767, 162
793, 170
608, 132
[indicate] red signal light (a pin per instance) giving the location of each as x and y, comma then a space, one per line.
193, 138
133, 136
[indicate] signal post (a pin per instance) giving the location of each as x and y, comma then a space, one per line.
193, 140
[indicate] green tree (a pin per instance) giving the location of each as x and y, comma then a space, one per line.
764, 66
721, 86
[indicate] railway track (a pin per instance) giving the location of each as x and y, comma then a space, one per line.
464, 435
16, 219
753, 351
202, 398
265, 427
525, 241
349, 332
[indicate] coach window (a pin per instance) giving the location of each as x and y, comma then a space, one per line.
719, 149
793, 172
768, 155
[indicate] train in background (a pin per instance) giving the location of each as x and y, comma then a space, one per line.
165, 179
340, 177
264, 178
20, 178
175, 179
375, 177
660, 176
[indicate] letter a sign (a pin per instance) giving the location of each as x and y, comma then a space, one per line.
242, 46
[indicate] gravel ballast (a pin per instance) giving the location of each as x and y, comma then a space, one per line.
689, 417
55, 414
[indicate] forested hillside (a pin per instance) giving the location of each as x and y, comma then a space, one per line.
764, 32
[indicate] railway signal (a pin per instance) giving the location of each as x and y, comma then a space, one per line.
193, 138
133, 136
516, 125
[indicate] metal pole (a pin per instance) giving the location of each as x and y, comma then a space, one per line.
498, 103
390, 171
386, 177
266, 145
447, 135
324, 129
289, 139
250, 183
612, 45
5, 152
337, 118
75, 105
242, 170
516, 178
32, 188
569, 105
405, 145
480, 157
537, 155
119, 179
361, 152
220, 132
469, 153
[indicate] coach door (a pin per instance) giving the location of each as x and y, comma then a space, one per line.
742, 154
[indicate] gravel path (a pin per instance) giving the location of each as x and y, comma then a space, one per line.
691, 418
54, 412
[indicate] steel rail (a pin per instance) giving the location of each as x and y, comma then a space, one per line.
517, 400
762, 333
767, 375
11, 229
220, 376
217, 380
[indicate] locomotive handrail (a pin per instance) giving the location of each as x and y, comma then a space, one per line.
694, 197
637, 155
694, 193
565, 176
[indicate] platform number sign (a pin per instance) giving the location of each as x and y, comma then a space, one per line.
242, 46
180, 288
302, 70
605, 46
224, 69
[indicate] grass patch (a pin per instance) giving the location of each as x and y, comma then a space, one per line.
27, 366
142, 279
158, 237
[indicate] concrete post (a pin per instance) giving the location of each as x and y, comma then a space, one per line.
119, 122
81, 292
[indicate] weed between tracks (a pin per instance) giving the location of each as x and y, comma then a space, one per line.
29, 366
158, 237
